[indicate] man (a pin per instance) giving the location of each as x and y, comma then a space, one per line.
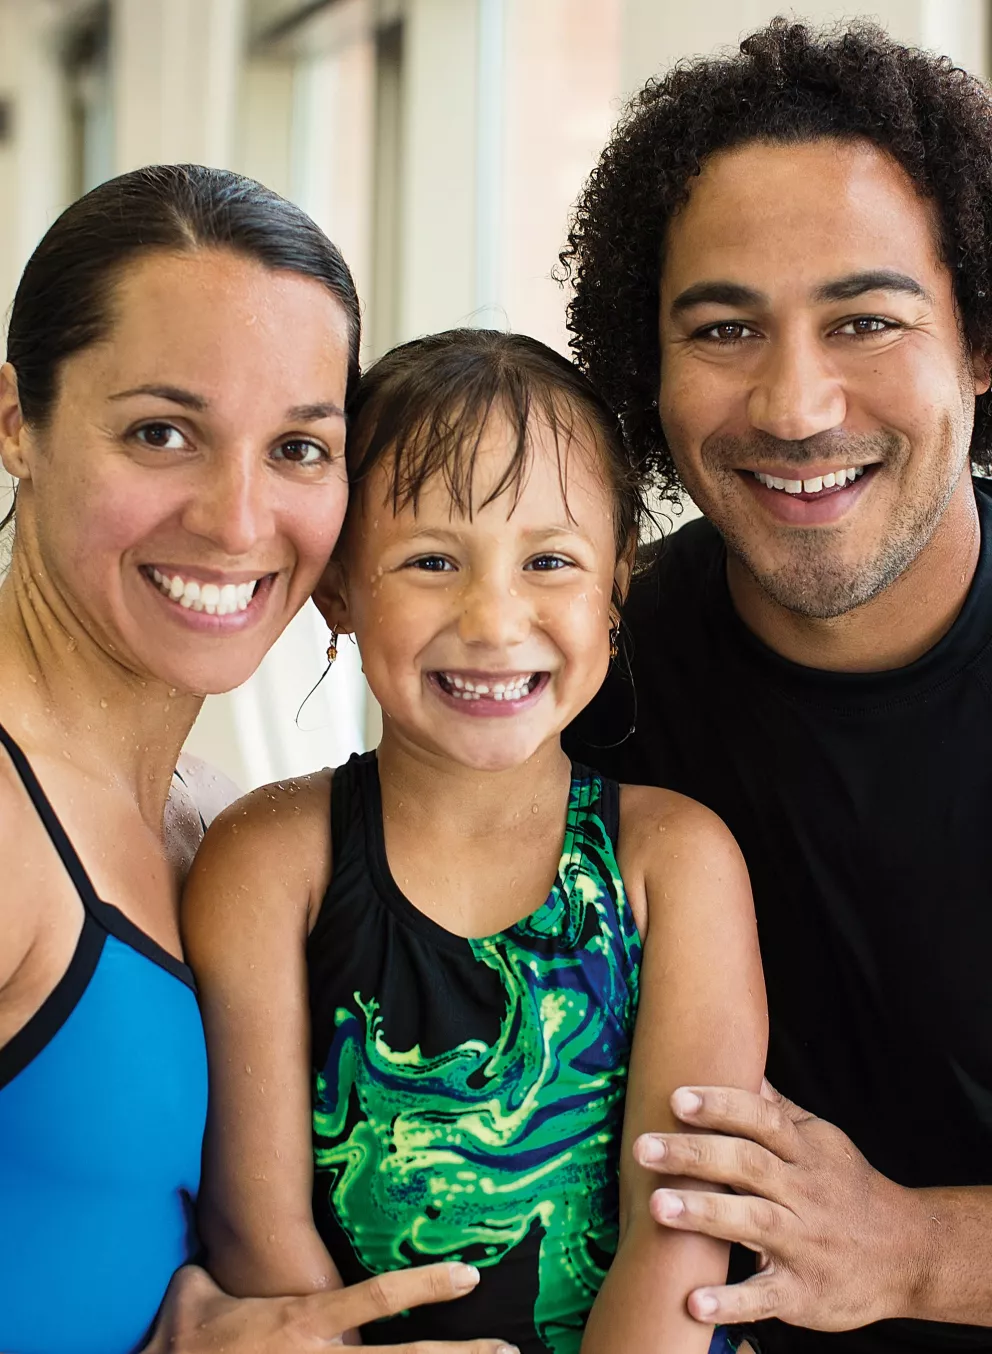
799, 240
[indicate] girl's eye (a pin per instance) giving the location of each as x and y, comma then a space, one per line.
865, 325
546, 564
728, 331
432, 564
300, 451
160, 436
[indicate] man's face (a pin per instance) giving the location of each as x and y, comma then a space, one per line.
815, 389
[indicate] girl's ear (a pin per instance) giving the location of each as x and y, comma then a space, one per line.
331, 597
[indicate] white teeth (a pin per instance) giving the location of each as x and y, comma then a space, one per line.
212, 598
465, 689
833, 479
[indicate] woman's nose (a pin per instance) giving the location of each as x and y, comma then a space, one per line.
230, 505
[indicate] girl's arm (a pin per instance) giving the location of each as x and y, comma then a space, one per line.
701, 1021
257, 881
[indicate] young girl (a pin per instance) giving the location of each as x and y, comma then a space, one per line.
420, 972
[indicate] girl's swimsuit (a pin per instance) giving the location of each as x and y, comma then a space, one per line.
103, 1097
468, 1094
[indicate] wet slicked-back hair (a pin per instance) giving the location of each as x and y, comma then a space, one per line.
424, 407
788, 84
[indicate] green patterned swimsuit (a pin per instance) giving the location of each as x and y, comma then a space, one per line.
468, 1094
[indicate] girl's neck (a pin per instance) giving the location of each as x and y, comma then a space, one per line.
64, 696
470, 803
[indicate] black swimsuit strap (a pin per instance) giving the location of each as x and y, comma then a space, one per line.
55, 830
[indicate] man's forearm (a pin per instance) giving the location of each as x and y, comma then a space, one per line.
951, 1279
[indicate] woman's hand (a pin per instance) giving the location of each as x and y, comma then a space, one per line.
197, 1317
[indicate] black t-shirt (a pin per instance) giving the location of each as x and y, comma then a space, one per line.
862, 803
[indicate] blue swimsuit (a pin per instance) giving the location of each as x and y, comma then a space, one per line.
103, 1097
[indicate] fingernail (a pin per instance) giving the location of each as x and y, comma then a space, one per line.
670, 1205
464, 1276
686, 1102
706, 1304
650, 1149
507, 1349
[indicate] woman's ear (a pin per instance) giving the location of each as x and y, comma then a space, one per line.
331, 597
12, 427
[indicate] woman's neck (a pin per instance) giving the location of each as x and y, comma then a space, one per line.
63, 695
471, 804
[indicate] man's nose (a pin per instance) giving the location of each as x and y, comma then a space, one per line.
494, 614
796, 394
231, 503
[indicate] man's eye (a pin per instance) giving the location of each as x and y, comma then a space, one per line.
729, 331
865, 325
300, 451
431, 564
160, 436
545, 564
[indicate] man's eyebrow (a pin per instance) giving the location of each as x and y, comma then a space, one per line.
717, 293
174, 394
873, 279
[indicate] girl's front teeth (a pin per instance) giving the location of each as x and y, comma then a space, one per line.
465, 689
208, 597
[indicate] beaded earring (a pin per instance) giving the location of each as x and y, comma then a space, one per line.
332, 648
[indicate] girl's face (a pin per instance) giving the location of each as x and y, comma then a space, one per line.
190, 485
483, 636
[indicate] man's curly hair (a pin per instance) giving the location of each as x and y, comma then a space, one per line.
789, 83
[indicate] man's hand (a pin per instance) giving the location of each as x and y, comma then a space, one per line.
199, 1318
839, 1245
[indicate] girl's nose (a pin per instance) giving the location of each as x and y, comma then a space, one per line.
494, 614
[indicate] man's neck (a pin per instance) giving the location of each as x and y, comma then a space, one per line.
892, 630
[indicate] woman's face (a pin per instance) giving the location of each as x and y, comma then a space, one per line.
190, 485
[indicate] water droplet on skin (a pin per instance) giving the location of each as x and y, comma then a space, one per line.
534, 809
71, 646
103, 703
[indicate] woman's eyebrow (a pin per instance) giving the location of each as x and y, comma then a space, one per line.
174, 394
298, 413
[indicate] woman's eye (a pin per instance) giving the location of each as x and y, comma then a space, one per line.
160, 436
300, 451
431, 564
865, 325
729, 331
545, 564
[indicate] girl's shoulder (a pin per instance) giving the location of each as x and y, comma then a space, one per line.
269, 851
668, 845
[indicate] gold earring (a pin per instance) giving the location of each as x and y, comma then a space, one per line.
615, 640
332, 648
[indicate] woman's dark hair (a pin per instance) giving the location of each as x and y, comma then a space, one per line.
424, 407
788, 84
64, 300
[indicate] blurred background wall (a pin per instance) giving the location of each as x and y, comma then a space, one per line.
440, 143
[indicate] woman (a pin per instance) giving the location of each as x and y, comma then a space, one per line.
180, 352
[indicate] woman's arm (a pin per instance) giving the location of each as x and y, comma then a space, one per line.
256, 882
701, 1020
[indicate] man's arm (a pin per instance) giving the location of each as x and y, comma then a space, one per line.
840, 1245
701, 1006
